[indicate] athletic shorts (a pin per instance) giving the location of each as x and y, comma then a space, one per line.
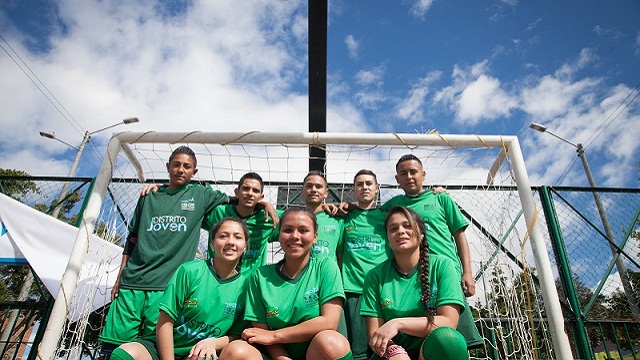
132, 314
467, 327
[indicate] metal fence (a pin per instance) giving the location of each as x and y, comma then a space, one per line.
598, 271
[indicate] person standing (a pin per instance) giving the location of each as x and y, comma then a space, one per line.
365, 247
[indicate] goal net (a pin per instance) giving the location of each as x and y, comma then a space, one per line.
516, 305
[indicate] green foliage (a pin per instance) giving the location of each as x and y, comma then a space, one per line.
17, 189
12, 278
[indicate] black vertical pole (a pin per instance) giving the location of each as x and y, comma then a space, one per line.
317, 79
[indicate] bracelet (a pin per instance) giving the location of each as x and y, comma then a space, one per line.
394, 350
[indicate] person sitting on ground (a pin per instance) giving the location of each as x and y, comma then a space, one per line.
412, 302
295, 304
202, 308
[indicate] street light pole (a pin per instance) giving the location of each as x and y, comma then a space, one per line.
80, 150
622, 271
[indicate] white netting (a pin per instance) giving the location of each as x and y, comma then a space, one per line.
513, 323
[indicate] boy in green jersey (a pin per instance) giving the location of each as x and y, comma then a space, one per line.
314, 191
365, 247
249, 193
163, 234
445, 226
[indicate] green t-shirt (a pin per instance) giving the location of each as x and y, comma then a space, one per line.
365, 246
202, 305
442, 219
330, 229
167, 224
389, 294
260, 232
280, 302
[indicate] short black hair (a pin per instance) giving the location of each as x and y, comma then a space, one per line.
407, 157
184, 150
315, 173
253, 176
365, 172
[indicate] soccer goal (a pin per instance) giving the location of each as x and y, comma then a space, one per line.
516, 303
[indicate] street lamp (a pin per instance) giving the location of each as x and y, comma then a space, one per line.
603, 216
79, 151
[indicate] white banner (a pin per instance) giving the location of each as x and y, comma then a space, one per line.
9, 253
46, 244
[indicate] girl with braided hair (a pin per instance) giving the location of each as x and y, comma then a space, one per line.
412, 302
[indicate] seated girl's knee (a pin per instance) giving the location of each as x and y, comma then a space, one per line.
240, 349
445, 343
331, 343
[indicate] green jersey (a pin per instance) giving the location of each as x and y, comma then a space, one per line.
203, 305
330, 242
260, 232
167, 225
389, 294
442, 218
280, 302
365, 246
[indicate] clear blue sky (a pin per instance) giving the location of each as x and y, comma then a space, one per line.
456, 66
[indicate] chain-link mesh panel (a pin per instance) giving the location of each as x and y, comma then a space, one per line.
606, 288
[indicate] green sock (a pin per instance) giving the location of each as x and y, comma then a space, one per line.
119, 354
347, 356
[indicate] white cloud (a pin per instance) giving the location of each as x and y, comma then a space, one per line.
585, 57
475, 96
411, 108
371, 77
534, 24
483, 99
636, 44
352, 46
216, 64
370, 99
551, 97
420, 8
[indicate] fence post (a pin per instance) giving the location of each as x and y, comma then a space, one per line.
564, 270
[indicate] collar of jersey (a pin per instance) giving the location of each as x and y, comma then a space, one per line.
164, 189
407, 276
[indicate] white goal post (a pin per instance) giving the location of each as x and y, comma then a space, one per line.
121, 145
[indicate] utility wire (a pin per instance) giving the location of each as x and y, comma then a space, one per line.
47, 94
605, 124
40, 85
611, 118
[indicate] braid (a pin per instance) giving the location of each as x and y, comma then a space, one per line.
423, 268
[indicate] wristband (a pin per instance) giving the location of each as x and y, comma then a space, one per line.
394, 350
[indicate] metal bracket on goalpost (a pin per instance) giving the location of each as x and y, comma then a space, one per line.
55, 326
